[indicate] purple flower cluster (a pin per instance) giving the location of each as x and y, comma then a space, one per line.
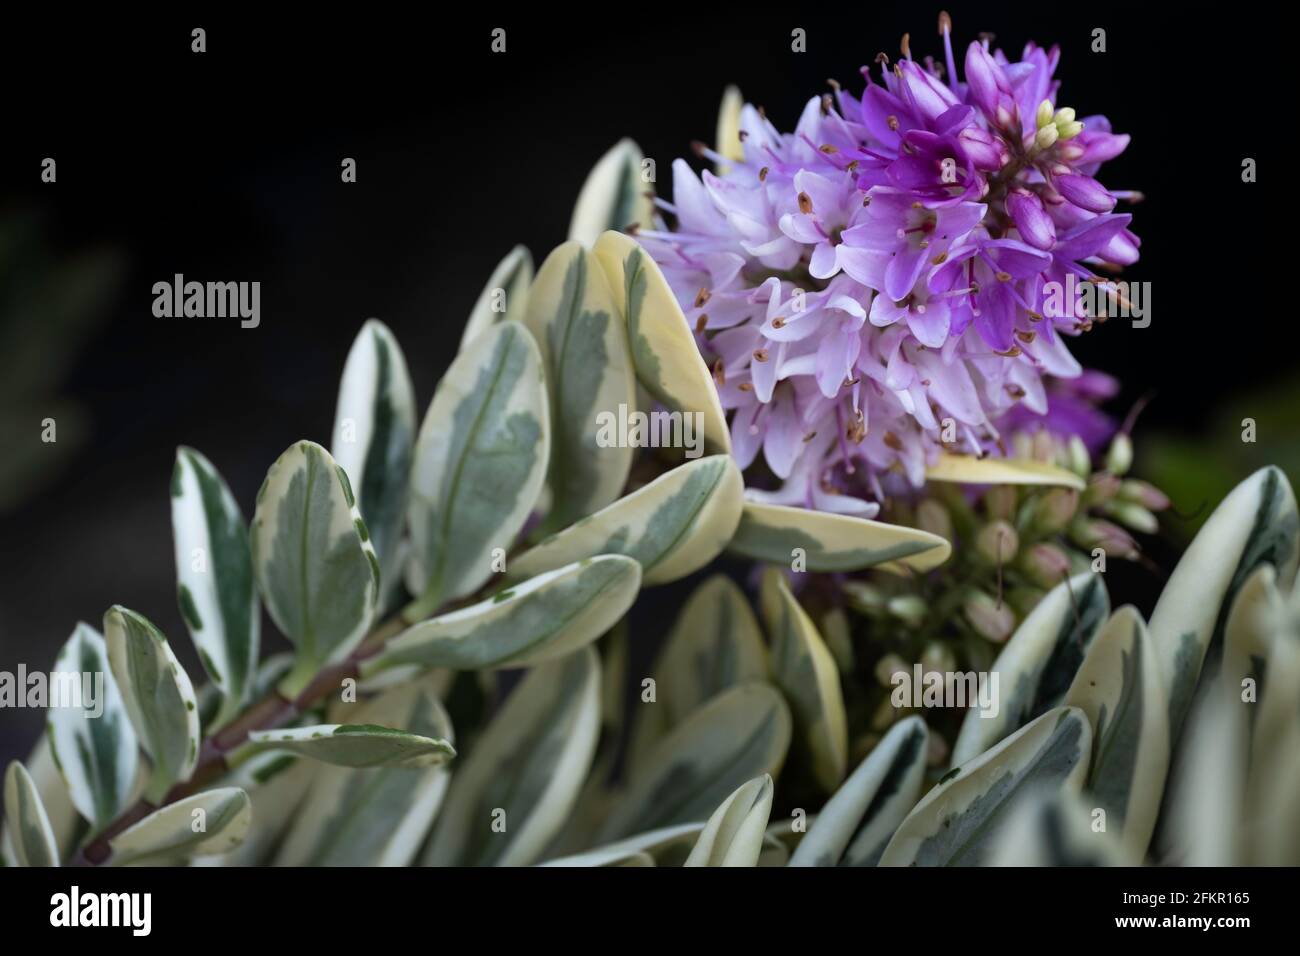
878, 285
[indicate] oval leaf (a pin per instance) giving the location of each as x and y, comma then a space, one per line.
1053, 828
158, 695
30, 833
374, 432
855, 825
804, 669
1118, 688
589, 374
314, 561
673, 526
1038, 664
734, 834
740, 734
91, 738
956, 822
969, 470
545, 617
379, 816
357, 745
213, 821
614, 196
832, 542
668, 363
668, 846
523, 775
214, 577
480, 462
504, 298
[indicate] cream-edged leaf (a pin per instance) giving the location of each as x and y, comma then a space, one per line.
517, 787
1257, 523
214, 577
673, 526
158, 695
357, 745
1054, 828
374, 434
667, 360
377, 816
91, 738
740, 734
1118, 689
504, 298
969, 470
29, 830
314, 561
591, 381
856, 823
734, 834
480, 462
823, 541
545, 617
956, 823
1037, 665
213, 821
667, 846
805, 671
614, 195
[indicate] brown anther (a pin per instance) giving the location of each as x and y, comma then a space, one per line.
698, 148
778, 321
760, 355
809, 437
1026, 337
882, 58
1015, 391
1004, 276
805, 204
905, 45
827, 104
1011, 352
1035, 316
719, 373
828, 149
762, 174
945, 22
745, 387
893, 441
742, 135
892, 122
833, 83
701, 322
702, 297
940, 259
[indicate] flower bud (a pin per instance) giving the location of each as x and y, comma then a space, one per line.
1119, 458
887, 667
1063, 116
1101, 488
1055, 510
1069, 130
1046, 137
1044, 114
933, 517
1143, 493
1080, 460
1045, 564
908, 608
863, 597
1092, 533
992, 620
1000, 502
997, 542
1133, 515
938, 656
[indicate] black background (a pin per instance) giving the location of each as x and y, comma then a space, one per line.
225, 166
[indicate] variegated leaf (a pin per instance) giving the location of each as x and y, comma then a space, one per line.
158, 695
821, 541
1054, 828
314, 561
728, 141
804, 669
1118, 688
545, 617
1038, 664
667, 360
1274, 714
504, 298
667, 846
514, 792
969, 470
734, 834
213, 821
377, 816
357, 745
1255, 621
214, 578
64, 819
591, 382
740, 734
480, 462
1257, 523
615, 195
855, 825
956, 823
276, 784
93, 745
30, 833
374, 433
673, 526
1205, 796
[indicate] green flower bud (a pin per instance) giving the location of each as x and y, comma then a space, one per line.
1044, 114
1143, 493
1101, 488
997, 542
1069, 130
938, 656
1064, 115
991, 620
1000, 502
1119, 458
1045, 564
887, 667
1133, 515
908, 608
1056, 509
933, 517
863, 597
1089, 533
1047, 136
1080, 460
